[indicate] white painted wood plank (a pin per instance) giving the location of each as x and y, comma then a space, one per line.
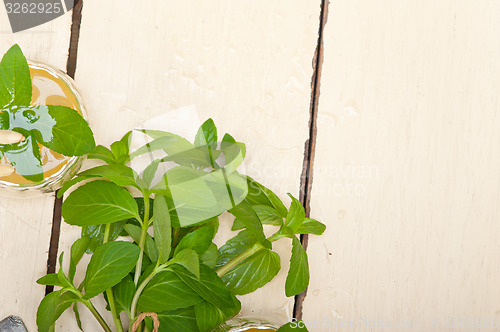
406, 169
25, 223
246, 64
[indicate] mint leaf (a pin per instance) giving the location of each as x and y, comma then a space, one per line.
162, 228
235, 246
311, 226
50, 279
109, 264
77, 250
178, 320
68, 133
166, 291
95, 233
210, 287
210, 256
189, 259
296, 215
99, 202
4, 120
206, 134
45, 315
123, 176
260, 195
15, 79
249, 218
254, 272
102, 153
149, 248
124, 293
198, 240
209, 316
298, 275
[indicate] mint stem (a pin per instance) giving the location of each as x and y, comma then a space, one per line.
139, 290
109, 291
96, 314
142, 240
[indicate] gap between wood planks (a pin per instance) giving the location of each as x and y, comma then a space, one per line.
70, 70
310, 145
309, 149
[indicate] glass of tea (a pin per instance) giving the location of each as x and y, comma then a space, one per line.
50, 87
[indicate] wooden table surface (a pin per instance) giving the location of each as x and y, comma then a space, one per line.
383, 116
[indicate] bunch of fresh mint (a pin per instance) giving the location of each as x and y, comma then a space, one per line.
59, 128
153, 255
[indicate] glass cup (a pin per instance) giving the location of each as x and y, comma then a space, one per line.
246, 324
50, 87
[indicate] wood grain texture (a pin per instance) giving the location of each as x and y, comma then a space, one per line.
25, 223
406, 170
246, 64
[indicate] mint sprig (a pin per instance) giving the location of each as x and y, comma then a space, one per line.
172, 267
59, 128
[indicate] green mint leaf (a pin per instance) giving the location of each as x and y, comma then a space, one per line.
99, 202
266, 214
4, 120
294, 326
170, 143
197, 157
234, 154
121, 175
109, 264
124, 293
149, 173
140, 205
210, 256
77, 250
166, 291
60, 274
65, 301
178, 320
15, 79
206, 134
198, 196
210, 287
189, 259
71, 183
311, 226
45, 315
209, 316
162, 228
296, 215
77, 317
50, 279
51, 308
254, 272
120, 152
95, 233
67, 133
198, 240
102, 153
260, 195
245, 213
150, 246
298, 275
235, 246
25, 158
